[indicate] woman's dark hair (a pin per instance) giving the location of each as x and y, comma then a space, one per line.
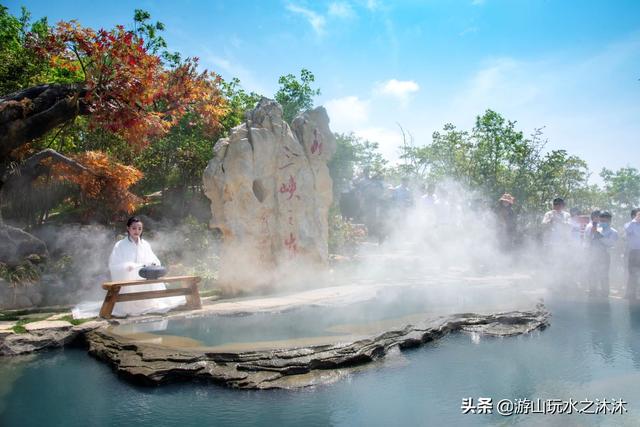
132, 220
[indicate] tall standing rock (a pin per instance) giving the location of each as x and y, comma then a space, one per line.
270, 193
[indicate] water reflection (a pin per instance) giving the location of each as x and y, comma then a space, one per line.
590, 351
11, 369
601, 331
633, 338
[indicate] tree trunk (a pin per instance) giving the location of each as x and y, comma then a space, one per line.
29, 114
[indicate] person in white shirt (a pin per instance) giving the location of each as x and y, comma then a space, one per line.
600, 237
557, 252
588, 229
632, 234
128, 256
556, 223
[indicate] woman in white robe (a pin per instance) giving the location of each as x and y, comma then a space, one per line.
129, 255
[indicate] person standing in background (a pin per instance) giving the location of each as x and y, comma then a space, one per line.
556, 231
601, 237
632, 234
556, 224
506, 222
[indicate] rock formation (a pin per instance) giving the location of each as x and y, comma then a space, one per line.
270, 193
44, 335
295, 367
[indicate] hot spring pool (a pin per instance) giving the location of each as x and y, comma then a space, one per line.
590, 351
386, 307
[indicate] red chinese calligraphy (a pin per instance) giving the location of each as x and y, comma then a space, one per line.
291, 244
289, 187
317, 145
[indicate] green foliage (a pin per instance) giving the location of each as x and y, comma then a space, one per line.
353, 157
296, 96
176, 160
622, 188
19, 66
19, 328
344, 236
25, 273
69, 318
153, 41
238, 102
496, 158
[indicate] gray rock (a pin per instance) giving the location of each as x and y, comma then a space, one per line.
44, 335
296, 367
20, 296
17, 245
270, 193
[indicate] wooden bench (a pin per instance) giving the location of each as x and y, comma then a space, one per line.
189, 289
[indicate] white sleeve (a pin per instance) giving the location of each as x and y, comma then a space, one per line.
119, 264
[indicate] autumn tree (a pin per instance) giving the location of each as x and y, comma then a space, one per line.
115, 78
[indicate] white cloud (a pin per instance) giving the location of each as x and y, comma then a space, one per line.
577, 100
502, 83
477, 2
353, 114
230, 68
316, 20
389, 140
341, 10
399, 89
347, 113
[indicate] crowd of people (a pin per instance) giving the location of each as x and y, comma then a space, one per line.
577, 247
584, 243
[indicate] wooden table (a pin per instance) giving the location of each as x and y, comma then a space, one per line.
189, 289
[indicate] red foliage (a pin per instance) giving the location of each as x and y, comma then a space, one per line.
129, 92
106, 186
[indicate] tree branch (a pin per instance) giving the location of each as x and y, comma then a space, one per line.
49, 107
34, 160
28, 167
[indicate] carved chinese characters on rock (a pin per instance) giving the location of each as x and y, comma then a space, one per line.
289, 187
316, 146
271, 191
291, 245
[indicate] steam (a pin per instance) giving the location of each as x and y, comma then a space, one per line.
80, 255
447, 249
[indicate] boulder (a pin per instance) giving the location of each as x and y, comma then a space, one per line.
18, 245
19, 296
270, 193
44, 335
297, 366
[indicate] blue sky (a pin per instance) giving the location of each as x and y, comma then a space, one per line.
572, 67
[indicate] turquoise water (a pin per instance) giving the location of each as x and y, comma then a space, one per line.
313, 321
591, 351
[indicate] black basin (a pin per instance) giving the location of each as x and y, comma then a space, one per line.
152, 272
